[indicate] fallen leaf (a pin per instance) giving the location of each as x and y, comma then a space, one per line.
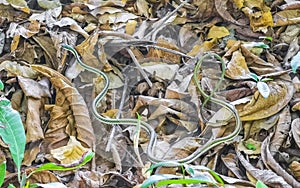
268, 177
237, 67
281, 93
70, 153
271, 163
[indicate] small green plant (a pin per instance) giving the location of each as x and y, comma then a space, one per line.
260, 184
190, 175
261, 84
13, 134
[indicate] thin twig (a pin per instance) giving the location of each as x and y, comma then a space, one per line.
139, 67
171, 51
113, 131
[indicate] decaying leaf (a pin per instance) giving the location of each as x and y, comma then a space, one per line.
237, 67
295, 168
69, 115
270, 162
70, 153
281, 131
266, 176
281, 93
296, 130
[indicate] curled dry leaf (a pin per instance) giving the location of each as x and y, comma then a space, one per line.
71, 153
221, 6
270, 162
281, 92
286, 17
98, 179
237, 67
252, 129
268, 177
81, 119
182, 148
13, 69
295, 129
17, 4
295, 168
66, 21
38, 177
69, 115
231, 162
282, 130
33, 88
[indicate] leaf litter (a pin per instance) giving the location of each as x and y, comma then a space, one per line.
149, 49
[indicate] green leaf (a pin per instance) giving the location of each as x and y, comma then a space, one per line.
52, 166
254, 76
213, 173
263, 89
250, 146
266, 38
184, 181
165, 164
2, 172
156, 178
256, 45
266, 79
260, 184
11, 186
13, 132
1, 85
295, 62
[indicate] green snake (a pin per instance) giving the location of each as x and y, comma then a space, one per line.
148, 128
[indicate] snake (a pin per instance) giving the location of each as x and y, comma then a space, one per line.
147, 127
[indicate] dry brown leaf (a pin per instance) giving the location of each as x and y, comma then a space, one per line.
268, 177
166, 56
252, 129
282, 130
253, 60
99, 179
50, 51
296, 107
161, 70
231, 162
33, 88
38, 177
80, 113
270, 162
71, 153
182, 148
69, 115
14, 69
259, 107
295, 129
66, 21
286, 17
55, 135
31, 152
221, 6
18, 4
237, 67
130, 27
33, 126
295, 168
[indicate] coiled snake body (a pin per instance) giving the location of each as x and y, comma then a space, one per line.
151, 145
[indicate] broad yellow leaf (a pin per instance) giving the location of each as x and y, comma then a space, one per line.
217, 32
